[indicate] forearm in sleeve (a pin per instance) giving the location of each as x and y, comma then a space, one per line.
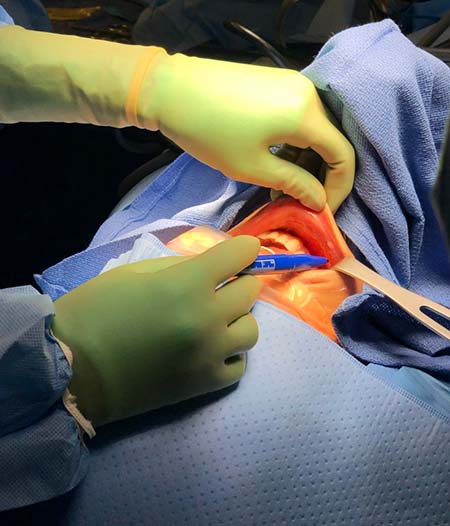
42, 453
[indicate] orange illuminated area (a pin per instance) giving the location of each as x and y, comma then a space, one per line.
286, 226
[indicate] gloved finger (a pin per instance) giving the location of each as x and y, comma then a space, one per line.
294, 181
241, 335
225, 259
238, 297
338, 184
150, 266
339, 155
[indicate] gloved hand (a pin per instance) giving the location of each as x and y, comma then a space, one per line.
156, 332
225, 114
228, 115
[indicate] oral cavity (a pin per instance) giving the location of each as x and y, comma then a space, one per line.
282, 241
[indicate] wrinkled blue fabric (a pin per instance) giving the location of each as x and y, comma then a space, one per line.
422, 14
393, 101
5, 19
30, 14
41, 454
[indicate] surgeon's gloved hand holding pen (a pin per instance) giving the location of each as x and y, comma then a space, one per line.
156, 332
224, 114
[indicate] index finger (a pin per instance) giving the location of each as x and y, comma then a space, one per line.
339, 155
227, 258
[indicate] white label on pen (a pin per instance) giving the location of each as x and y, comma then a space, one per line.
266, 264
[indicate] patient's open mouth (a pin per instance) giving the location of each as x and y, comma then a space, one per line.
287, 226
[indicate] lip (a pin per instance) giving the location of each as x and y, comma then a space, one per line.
316, 231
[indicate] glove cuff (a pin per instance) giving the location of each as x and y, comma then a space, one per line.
145, 70
63, 78
69, 399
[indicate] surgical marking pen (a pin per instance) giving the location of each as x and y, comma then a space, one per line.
282, 263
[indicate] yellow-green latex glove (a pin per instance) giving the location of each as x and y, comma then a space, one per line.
64, 78
224, 114
228, 115
156, 332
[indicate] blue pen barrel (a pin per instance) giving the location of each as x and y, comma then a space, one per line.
281, 263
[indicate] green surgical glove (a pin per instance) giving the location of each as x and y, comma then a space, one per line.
225, 114
228, 115
156, 332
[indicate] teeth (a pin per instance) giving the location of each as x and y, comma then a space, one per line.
291, 243
267, 235
284, 239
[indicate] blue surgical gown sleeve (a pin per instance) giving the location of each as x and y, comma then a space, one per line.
5, 19
42, 453
30, 14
